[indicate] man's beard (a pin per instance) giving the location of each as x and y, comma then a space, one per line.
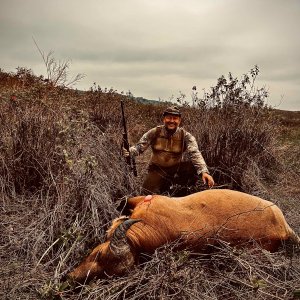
170, 131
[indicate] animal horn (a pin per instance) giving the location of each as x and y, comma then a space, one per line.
118, 239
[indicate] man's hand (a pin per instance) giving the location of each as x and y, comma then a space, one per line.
208, 179
125, 153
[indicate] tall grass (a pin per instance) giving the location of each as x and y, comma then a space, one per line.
62, 180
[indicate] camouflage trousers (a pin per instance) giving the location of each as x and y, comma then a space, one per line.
175, 181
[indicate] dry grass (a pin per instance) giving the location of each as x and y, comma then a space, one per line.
62, 179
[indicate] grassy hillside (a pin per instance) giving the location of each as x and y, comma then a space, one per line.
62, 179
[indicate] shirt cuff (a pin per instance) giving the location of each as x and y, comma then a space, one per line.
200, 172
133, 151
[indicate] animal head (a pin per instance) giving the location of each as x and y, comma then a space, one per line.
113, 257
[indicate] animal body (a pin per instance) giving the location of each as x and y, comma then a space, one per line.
197, 221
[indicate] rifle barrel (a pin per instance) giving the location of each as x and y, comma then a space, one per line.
129, 160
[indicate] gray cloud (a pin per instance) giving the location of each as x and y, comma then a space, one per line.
156, 48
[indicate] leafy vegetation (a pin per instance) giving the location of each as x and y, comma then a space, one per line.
62, 180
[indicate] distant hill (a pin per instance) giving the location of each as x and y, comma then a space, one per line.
146, 101
288, 118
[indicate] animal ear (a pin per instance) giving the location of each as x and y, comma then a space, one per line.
119, 242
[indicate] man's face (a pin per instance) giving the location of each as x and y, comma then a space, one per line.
171, 121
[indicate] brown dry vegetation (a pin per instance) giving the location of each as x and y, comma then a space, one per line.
62, 179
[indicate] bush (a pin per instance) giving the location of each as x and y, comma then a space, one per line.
236, 133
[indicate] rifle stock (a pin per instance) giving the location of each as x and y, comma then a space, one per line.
129, 160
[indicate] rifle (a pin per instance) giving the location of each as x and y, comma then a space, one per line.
129, 160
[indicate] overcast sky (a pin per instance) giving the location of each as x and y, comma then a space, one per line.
156, 48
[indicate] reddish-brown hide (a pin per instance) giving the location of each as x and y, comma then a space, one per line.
197, 220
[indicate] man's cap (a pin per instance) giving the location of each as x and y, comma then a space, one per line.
172, 110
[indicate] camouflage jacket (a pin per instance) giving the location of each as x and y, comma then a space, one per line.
167, 150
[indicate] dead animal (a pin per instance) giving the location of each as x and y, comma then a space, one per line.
197, 220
